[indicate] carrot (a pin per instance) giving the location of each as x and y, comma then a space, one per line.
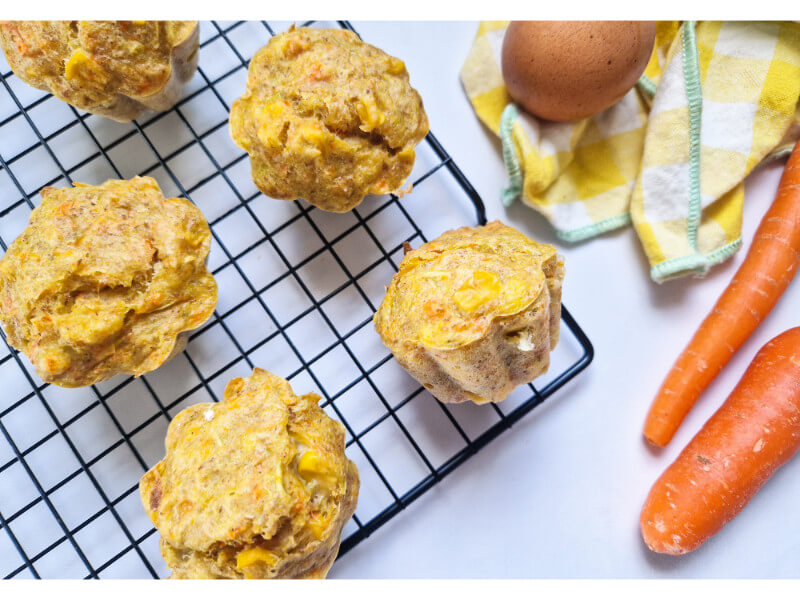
755, 431
769, 266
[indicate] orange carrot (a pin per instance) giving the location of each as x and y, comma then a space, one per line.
755, 431
767, 269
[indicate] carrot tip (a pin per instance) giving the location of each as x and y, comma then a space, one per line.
656, 443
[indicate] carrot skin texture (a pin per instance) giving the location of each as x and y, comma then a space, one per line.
768, 268
755, 431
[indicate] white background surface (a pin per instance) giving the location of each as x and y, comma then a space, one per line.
559, 495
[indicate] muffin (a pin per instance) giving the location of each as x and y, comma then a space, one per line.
474, 313
117, 69
105, 280
327, 118
255, 487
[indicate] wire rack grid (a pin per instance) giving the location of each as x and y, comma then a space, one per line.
297, 290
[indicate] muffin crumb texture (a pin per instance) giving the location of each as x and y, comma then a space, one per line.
327, 118
254, 487
474, 313
117, 69
105, 280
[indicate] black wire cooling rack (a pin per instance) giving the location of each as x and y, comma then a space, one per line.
298, 288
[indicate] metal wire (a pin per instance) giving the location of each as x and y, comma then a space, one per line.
136, 553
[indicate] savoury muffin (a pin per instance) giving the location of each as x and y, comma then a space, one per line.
256, 487
105, 280
474, 313
327, 118
116, 69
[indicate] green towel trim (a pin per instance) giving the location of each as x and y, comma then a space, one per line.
780, 152
694, 94
647, 85
514, 188
583, 233
696, 263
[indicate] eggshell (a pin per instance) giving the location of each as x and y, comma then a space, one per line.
569, 70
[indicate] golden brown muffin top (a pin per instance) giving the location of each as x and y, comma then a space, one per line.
88, 63
327, 118
448, 291
257, 480
104, 279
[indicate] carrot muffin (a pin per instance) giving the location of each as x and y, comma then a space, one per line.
327, 118
105, 280
474, 313
116, 69
256, 487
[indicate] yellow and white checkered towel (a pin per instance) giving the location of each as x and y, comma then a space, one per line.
716, 100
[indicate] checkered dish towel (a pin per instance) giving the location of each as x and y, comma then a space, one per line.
716, 100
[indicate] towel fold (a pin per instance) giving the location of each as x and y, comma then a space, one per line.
716, 100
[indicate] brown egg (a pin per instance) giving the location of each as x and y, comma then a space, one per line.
569, 70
